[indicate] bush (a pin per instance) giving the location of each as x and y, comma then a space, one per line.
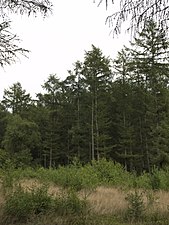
143, 181
70, 204
74, 177
21, 204
111, 173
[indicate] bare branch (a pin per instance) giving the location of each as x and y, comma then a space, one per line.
9, 49
137, 12
25, 6
112, 1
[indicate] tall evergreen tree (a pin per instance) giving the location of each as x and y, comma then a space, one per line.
97, 74
122, 92
51, 100
75, 88
149, 72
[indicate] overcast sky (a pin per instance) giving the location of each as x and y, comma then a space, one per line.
57, 42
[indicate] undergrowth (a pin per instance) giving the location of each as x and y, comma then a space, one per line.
36, 205
89, 176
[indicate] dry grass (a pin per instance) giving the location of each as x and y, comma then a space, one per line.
112, 200
33, 183
106, 200
161, 201
30, 184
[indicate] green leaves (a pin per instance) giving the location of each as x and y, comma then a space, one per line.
21, 138
16, 99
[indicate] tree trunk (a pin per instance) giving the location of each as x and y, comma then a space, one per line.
92, 130
97, 126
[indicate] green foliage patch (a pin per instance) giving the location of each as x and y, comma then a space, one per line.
21, 204
88, 177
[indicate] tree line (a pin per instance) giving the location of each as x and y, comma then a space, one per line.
105, 108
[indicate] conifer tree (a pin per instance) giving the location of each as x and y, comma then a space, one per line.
149, 72
97, 74
16, 99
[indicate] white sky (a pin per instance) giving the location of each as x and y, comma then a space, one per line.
57, 42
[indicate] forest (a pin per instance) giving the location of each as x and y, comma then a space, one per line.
92, 148
116, 109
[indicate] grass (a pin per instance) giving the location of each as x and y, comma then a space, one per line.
105, 201
107, 205
100, 193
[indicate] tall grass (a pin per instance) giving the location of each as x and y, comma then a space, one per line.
78, 194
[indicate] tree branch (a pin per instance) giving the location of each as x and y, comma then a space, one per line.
137, 12
9, 50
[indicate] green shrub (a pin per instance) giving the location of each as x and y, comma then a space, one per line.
74, 177
143, 181
136, 206
18, 205
21, 204
163, 176
155, 180
89, 178
42, 201
70, 204
68, 177
111, 173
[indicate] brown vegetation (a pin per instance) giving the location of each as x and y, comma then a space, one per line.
110, 200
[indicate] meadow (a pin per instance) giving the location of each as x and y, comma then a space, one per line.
101, 193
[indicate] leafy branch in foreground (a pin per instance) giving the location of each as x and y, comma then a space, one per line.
9, 49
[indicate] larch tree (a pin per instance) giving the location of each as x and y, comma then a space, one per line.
75, 92
51, 100
122, 92
97, 74
149, 73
